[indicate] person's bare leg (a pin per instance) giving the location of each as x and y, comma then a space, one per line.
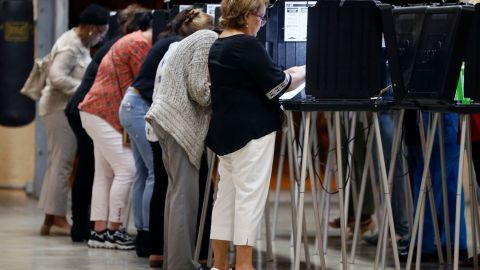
155, 257
113, 226
100, 225
48, 221
220, 254
244, 258
61, 221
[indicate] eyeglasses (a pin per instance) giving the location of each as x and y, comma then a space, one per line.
262, 18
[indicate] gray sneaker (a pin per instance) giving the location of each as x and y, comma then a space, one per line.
97, 239
119, 239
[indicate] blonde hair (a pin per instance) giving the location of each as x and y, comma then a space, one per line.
195, 19
233, 12
126, 18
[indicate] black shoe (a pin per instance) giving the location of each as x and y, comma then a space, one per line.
141, 244
463, 253
372, 240
426, 257
98, 239
120, 239
403, 244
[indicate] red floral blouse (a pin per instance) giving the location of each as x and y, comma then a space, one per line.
115, 74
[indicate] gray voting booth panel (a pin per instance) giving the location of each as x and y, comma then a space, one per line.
285, 53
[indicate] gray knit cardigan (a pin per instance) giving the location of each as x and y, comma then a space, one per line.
181, 102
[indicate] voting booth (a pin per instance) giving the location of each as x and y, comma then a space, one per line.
286, 32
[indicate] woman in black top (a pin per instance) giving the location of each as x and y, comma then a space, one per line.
245, 87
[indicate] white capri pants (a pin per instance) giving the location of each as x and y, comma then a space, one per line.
114, 170
242, 191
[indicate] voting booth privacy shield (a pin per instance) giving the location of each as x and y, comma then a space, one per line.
438, 53
344, 50
424, 46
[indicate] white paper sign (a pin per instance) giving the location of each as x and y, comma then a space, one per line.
211, 9
184, 7
296, 17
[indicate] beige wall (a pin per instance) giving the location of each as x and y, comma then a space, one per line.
17, 155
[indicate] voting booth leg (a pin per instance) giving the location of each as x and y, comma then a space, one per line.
340, 181
329, 170
203, 214
444, 189
316, 154
281, 161
291, 170
392, 169
384, 183
396, 142
431, 198
303, 175
294, 185
363, 185
408, 190
350, 188
373, 175
422, 191
316, 212
456, 247
268, 231
350, 174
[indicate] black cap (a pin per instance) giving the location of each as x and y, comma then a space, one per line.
94, 14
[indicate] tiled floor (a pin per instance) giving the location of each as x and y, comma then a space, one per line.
22, 248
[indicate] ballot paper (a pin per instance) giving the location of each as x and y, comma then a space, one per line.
211, 9
293, 93
296, 17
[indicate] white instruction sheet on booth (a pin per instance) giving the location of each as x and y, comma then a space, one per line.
296, 17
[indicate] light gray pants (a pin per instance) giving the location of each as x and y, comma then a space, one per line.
181, 206
62, 147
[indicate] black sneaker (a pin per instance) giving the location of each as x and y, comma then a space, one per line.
142, 244
120, 239
97, 239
